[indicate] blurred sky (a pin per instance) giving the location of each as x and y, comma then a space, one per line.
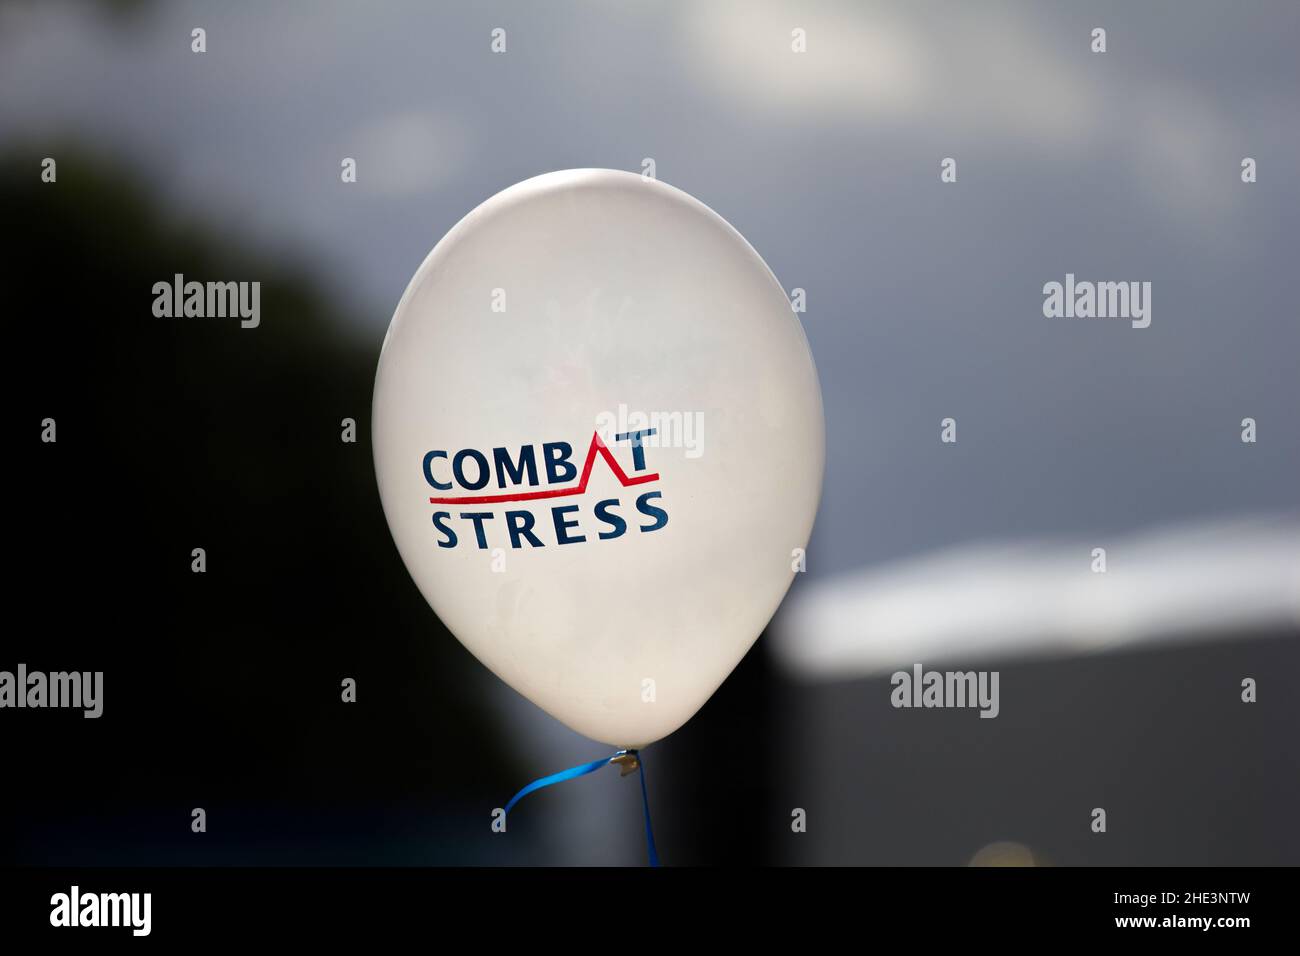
924, 300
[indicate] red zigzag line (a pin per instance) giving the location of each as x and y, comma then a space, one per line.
581, 488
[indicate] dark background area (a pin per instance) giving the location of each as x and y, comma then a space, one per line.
222, 689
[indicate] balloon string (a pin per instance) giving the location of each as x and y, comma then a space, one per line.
581, 771
651, 853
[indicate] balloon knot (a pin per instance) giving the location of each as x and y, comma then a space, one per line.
627, 762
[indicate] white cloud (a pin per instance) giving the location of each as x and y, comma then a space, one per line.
986, 601
969, 68
1012, 82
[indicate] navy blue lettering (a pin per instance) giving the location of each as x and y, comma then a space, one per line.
458, 469
428, 471
439, 522
558, 466
515, 470
562, 525
650, 511
638, 453
478, 517
610, 518
520, 524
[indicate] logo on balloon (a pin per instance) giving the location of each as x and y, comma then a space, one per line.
472, 478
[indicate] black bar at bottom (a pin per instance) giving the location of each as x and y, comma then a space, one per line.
546, 906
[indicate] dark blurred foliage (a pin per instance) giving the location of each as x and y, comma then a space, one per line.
223, 688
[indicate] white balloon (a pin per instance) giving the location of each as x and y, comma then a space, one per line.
556, 318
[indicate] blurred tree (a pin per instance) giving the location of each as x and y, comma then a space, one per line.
222, 688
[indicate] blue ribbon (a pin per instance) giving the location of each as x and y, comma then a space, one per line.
582, 771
